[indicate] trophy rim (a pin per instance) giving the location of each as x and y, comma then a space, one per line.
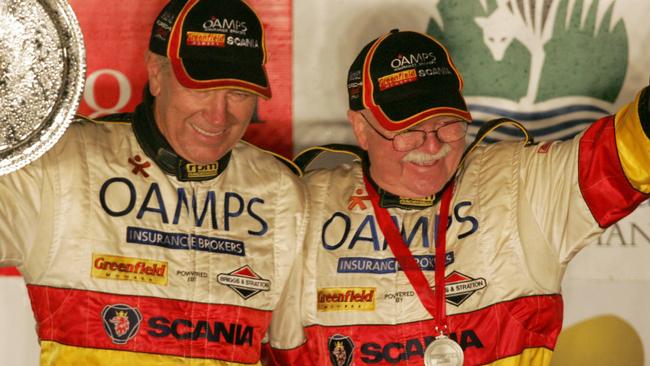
64, 107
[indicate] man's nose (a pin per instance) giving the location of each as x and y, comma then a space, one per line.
431, 142
215, 106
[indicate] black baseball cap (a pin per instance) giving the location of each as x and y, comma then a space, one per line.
213, 44
404, 78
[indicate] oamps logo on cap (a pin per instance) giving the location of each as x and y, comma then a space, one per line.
215, 24
121, 322
412, 60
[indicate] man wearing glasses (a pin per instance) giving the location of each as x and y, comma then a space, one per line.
415, 153
493, 225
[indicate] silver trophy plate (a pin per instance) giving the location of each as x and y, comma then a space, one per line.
42, 74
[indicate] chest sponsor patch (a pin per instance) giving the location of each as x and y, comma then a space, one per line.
394, 349
244, 281
112, 267
387, 265
459, 287
346, 299
203, 330
341, 350
202, 243
360, 199
121, 322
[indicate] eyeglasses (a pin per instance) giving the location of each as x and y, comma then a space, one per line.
412, 139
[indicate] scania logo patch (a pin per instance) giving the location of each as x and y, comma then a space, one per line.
244, 281
459, 287
205, 330
121, 322
340, 348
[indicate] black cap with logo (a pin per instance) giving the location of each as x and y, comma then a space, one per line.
404, 78
213, 44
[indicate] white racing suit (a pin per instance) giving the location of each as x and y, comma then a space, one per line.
518, 215
127, 264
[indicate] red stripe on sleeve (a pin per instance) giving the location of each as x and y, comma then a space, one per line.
608, 193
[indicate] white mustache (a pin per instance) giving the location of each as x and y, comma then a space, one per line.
420, 157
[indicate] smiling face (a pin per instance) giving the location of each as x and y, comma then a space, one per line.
420, 172
200, 125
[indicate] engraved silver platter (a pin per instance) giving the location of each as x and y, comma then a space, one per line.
42, 74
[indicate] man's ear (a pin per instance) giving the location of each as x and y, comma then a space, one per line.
359, 127
154, 72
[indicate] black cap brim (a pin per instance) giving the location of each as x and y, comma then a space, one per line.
405, 108
213, 74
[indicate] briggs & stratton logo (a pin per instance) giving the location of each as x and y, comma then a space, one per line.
459, 287
244, 281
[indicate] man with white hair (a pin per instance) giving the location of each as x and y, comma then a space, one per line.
425, 251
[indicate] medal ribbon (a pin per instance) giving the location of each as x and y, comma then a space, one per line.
407, 261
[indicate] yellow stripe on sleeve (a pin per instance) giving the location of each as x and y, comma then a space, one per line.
633, 146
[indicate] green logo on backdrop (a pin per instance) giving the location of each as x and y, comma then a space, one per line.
531, 51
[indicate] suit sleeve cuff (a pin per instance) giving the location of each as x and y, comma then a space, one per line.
633, 141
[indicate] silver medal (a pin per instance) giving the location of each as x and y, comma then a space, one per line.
443, 352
